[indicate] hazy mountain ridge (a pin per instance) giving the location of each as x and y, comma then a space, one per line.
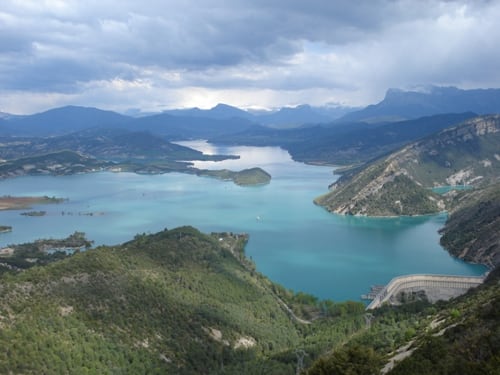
62, 120
286, 117
399, 104
343, 143
399, 183
174, 124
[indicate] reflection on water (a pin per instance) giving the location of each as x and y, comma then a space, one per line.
272, 159
292, 241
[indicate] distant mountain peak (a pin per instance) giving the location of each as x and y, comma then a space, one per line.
225, 106
4, 115
399, 104
228, 110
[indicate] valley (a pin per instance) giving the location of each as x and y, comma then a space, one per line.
249, 187
271, 282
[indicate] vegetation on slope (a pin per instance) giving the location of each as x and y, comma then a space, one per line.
472, 231
245, 177
182, 302
467, 339
457, 337
177, 302
400, 183
380, 190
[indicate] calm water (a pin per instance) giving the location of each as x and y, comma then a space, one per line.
292, 241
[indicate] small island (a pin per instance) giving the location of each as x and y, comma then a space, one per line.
5, 228
8, 202
34, 213
246, 177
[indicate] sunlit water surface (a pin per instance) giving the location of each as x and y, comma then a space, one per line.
292, 241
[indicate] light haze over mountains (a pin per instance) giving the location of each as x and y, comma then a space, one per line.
398, 105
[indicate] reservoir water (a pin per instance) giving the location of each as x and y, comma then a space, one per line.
292, 241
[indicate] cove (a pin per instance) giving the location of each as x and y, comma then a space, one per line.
292, 241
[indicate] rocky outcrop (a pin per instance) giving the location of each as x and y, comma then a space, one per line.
400, 184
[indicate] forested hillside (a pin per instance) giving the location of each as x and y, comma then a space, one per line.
401, 183
183, 302
177, 302
472, 231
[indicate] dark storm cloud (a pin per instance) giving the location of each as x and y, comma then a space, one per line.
190, 35
68, 46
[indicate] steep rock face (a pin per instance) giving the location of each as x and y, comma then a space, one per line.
400, 183
399, 104
382, 189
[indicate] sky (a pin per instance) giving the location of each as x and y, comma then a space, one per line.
153, 55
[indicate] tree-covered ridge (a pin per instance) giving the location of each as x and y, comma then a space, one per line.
399, 184
472, 231
183, 302
177, 301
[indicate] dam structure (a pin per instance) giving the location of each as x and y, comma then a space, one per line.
436, 287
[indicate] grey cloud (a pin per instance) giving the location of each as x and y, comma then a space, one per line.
209, 42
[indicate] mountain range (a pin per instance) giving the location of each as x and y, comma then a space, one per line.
184, 302
223, 119
400, 105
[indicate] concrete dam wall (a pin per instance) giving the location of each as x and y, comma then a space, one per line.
436, 287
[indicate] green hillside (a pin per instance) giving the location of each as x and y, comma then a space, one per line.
472, 231
176, 302
400, 184
183, 302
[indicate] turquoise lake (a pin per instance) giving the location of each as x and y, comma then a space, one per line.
292, 241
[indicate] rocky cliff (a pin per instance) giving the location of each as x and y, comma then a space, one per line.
401, 183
